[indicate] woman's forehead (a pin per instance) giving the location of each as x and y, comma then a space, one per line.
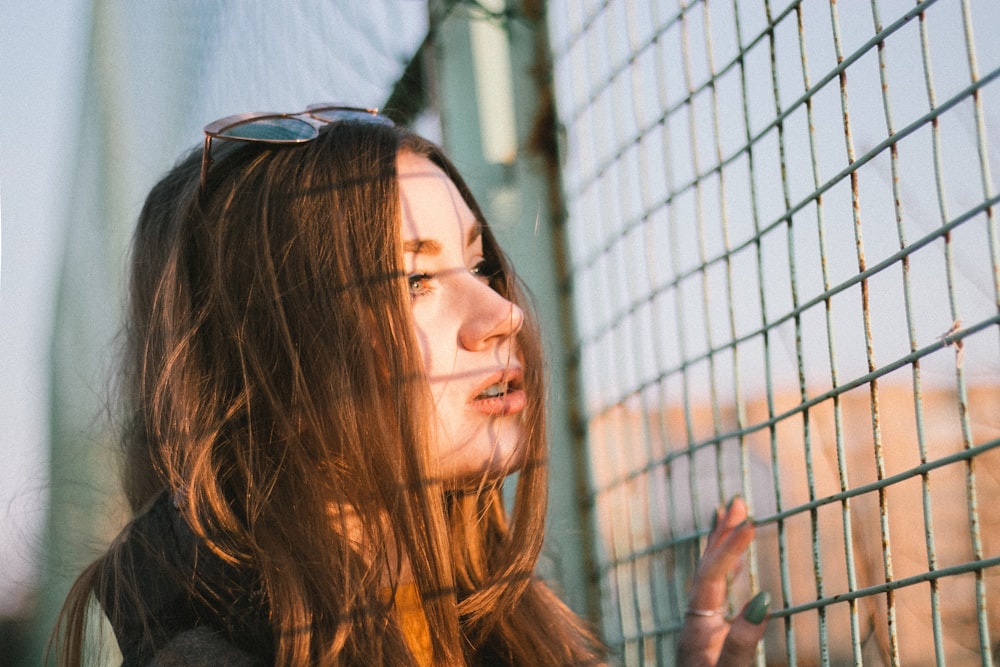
433, 211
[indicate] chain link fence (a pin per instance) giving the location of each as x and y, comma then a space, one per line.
786, 273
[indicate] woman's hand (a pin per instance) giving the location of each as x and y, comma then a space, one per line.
707, 638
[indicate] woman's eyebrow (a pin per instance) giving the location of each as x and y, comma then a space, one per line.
475, 231
432, 247
422, 246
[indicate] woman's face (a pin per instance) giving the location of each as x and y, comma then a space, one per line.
465, 329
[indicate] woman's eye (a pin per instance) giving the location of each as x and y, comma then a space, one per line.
486, 270
418, 284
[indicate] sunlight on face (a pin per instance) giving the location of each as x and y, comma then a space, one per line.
465, 329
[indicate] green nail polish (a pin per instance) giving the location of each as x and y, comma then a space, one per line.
715, 520
757, 609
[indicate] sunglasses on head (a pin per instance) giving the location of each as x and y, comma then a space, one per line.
282, 128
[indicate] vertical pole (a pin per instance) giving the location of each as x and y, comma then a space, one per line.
520, 195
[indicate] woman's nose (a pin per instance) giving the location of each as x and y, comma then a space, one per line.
490, 318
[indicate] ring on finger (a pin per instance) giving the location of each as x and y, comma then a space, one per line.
704, 613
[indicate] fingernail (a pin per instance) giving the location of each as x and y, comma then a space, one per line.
732, 500
757, 609
715, 520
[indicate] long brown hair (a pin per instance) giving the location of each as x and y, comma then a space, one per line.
274, 389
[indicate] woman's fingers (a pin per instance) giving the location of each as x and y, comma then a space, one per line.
708, 638
746, 631
711, 641
729, 516
727, 542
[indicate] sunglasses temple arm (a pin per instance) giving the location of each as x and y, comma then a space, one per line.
206, 159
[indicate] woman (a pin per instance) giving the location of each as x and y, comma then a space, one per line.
330, 370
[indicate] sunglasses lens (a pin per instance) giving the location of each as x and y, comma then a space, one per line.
274, 129
340, 114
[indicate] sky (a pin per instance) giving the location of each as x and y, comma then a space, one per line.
42, 48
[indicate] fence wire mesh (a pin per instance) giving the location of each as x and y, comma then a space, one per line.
786, 273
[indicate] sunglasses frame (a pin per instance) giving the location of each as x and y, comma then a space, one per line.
311, 116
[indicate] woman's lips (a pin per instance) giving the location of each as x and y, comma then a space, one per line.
501, 394
508, 404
